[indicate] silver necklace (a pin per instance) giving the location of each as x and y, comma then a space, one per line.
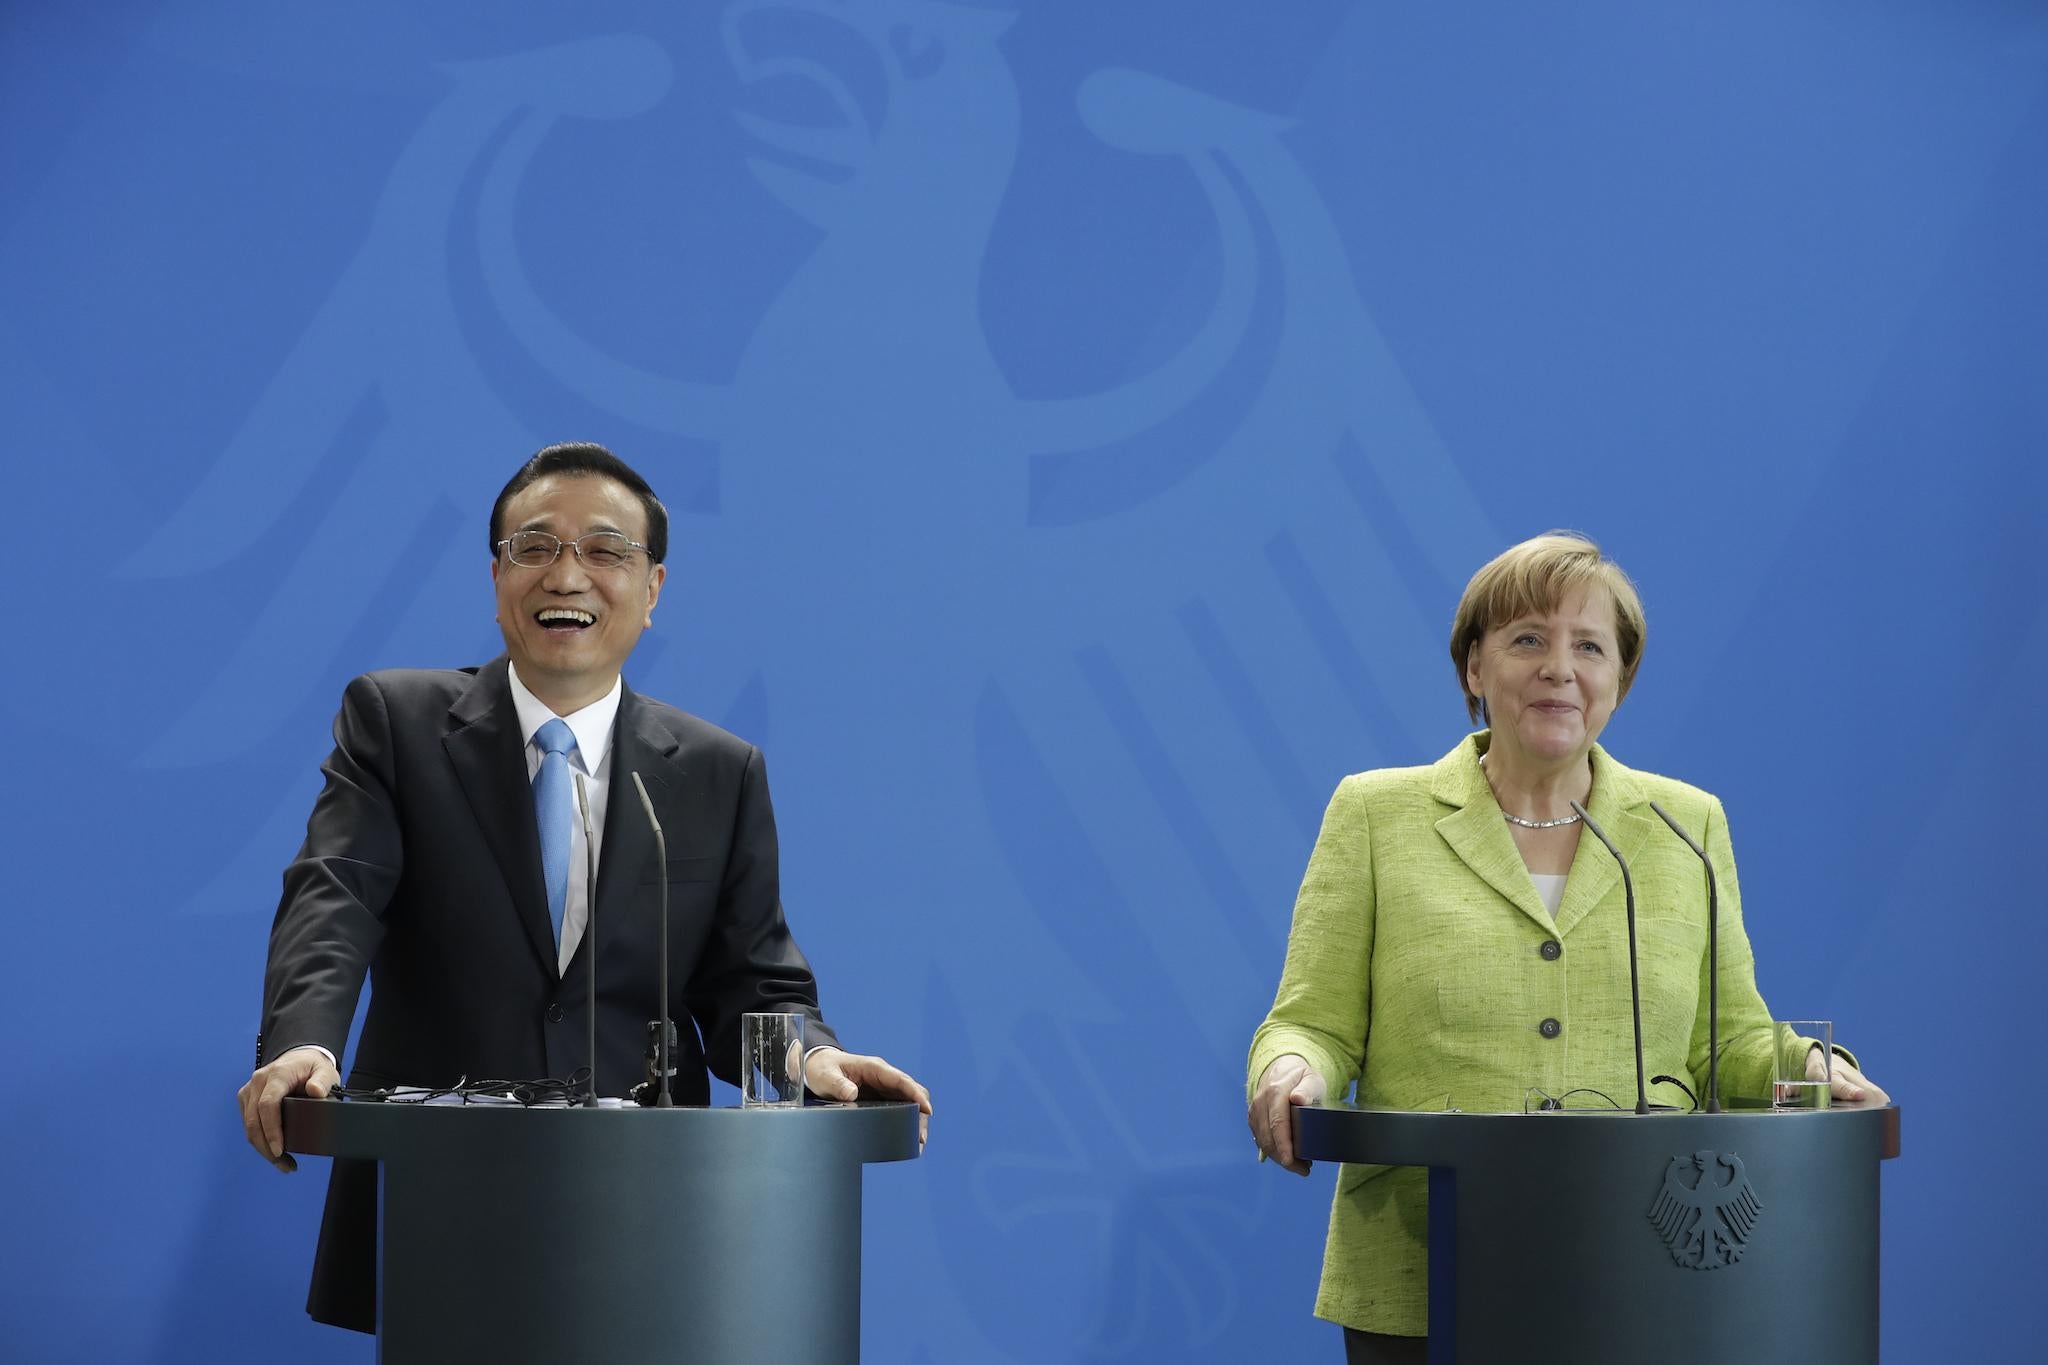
1571, 819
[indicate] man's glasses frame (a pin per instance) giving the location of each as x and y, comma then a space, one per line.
597, 550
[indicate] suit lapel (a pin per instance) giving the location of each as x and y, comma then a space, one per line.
489, 756
1478, 835
1594, 872
639, 744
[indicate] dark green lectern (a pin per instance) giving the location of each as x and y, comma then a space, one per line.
618, 1235
1605, 1238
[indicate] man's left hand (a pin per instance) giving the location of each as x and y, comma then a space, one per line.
835, 1075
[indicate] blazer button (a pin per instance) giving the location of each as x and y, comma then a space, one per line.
554, 1014
1552, 950
1550, 1028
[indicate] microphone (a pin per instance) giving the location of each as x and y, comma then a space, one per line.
1635, 982
663, 1043
589, 930
1713, 962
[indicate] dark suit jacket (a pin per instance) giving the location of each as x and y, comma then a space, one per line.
422, 867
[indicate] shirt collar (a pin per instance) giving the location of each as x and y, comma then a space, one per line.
592, 725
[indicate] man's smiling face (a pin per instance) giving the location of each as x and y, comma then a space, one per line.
569, 627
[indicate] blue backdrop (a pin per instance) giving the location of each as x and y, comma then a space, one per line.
1079, 419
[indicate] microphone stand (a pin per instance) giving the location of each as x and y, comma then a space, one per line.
663, 1029
1713, 962
589, 931
1635, 983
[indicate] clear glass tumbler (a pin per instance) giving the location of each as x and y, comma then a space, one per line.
771, 1061
1791, 1085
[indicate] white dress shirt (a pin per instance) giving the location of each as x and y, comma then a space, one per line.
592, 757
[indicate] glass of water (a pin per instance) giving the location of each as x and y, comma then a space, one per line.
771, 1061
1791, 1085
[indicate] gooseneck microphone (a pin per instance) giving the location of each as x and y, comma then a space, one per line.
664, 1031
1713, 961
589, 931
1635, 981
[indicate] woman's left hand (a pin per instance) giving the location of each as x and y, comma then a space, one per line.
1849, 1085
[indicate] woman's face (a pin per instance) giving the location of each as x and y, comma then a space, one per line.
1550, 680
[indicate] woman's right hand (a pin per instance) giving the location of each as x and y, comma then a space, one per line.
1288, 1082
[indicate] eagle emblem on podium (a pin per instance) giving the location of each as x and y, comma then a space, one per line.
1706, 1210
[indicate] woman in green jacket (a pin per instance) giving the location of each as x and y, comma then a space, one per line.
1456, 943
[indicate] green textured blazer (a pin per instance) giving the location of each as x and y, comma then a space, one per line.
1415, 967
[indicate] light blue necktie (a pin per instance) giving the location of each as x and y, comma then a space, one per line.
554, 806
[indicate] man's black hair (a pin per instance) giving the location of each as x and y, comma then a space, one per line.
586, 457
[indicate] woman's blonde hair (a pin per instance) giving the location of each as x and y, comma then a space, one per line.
1534, 578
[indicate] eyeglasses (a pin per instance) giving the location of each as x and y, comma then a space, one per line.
598, 550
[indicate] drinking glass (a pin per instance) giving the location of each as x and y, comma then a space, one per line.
1791, 1087
771, 1061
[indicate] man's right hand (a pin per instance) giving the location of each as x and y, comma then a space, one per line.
302, 1071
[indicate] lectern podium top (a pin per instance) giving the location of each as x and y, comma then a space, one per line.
860, 1133
1359, 1134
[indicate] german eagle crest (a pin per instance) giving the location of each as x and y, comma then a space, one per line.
1706, 1210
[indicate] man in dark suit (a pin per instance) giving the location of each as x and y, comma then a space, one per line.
427, 866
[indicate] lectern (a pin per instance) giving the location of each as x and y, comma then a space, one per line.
622, 1235
1602, 1237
